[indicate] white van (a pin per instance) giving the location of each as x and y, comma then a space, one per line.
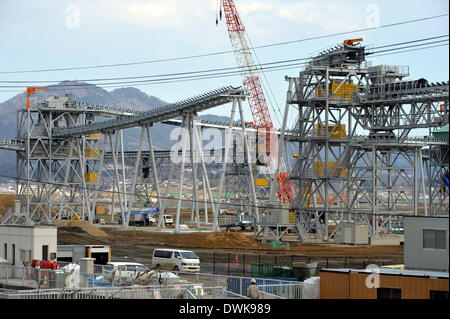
168, 219
177, 260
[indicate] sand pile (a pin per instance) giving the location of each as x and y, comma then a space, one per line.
231, 240
6, 201
83, 225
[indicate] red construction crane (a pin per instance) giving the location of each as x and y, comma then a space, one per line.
252, 86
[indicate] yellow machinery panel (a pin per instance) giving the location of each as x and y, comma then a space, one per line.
90, 177
261, 182
307, 194
307, 197
333, 130
345, 91
94, 136
92, 153
88, 153
292, 216
333, 169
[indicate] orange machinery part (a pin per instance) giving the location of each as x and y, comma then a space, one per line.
350, 42
32, 90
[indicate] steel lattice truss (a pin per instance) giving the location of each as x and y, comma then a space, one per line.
66, 158
343, 175
195, 104
46, 166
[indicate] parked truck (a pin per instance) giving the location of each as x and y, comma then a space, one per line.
242, 220
141, 217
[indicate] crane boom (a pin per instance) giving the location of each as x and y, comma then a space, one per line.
253, 87
252, 83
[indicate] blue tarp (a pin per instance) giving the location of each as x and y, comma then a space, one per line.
101, 283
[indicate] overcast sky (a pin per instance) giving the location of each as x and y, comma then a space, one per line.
57, 34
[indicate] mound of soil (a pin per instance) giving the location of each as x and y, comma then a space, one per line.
220, 240
6, 201
225, 240
71, 225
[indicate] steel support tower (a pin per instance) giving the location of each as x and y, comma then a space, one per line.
356, 160
54, 176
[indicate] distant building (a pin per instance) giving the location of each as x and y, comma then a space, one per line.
73, 253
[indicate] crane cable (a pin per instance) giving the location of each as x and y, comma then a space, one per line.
80, 187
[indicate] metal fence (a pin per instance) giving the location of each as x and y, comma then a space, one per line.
290, 291
240, 264
173, 292
270, 288
54, 284
26, 277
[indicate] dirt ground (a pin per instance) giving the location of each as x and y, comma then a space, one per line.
139, 244
6, 201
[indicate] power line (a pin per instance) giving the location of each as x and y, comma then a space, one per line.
405, 51
255, 66
222, 52
188, 77
127, 193
207, 76
167, 198
412, 41
157, 75
268, 83
405, 47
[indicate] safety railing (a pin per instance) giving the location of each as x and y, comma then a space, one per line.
150, 292
284, 291
295, 290
199, 103
26, 277
7, 143
69, 279
268, 295
239, 285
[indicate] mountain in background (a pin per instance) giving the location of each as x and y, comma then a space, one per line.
129, 98
124, 98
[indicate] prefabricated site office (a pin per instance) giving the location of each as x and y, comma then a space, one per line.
393, 284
